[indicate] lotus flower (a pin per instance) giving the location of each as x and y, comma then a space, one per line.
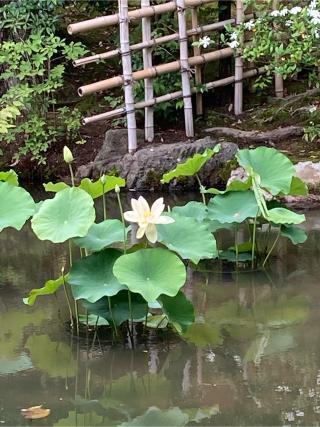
147, 218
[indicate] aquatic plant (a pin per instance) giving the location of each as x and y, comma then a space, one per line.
127, 276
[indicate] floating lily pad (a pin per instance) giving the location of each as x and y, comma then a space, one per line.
102, 235
91, 278
69, 214
151, 272
233, 207
274, 168
188, 238
16, 206
191, 166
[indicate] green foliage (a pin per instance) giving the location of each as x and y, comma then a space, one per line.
49, 288
33, 62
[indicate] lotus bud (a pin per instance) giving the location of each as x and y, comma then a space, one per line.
67, 155
103, 179
117, 189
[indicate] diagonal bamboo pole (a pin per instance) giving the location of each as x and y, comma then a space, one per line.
127, 75
238, 87
105, 21
184, 67
170, 96
155, 71
148, 83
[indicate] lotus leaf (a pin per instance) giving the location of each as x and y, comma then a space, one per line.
233, 186
51, 187
151, 272
188, 238
178, 309
295, 234
16, 206
102, 235
274, 168
10, 177
298, 187
157, 417
69, 214
97, 189
195, 210
119, 308
233, 207
191, 166
285, 216
49, 288
91, 278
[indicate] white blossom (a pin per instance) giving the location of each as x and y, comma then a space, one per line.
299, 413
289, 416
234, 44
289, 22
205, 41
275, 13
295, 10
211, 356
249, 25
233, 36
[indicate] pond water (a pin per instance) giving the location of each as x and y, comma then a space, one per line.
253, 358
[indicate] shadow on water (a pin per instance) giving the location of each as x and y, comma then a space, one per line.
251, 358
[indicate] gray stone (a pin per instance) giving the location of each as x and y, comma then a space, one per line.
144, 169
309, 172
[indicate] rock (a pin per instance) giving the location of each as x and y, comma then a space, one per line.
309, 172
144, 169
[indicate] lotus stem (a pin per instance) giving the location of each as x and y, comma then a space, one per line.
68, 300
130, 311
200, 188
123, 223
75, 301
272, 247
104, 203
236, 245
112, 318
71, 174
254, 241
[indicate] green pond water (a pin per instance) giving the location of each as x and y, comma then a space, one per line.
253, 358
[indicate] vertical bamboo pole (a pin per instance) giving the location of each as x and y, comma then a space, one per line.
127, 75
278, 79
186, 88
196, 52
148, 83
238, 86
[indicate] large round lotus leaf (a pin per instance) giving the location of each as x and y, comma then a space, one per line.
16, 206
196, 210
233, 207
91, 278
188, 238
295, 234
274, 168
151, 272
102, 235
69, 214
120, 309
191, 166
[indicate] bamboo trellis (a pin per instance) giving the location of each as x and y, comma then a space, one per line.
184, 64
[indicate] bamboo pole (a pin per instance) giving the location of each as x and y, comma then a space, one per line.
148, 82
127, 75
184, 68
155, 71
278, 79
198, 73
155, 42
170, 97
105, 21
238, 87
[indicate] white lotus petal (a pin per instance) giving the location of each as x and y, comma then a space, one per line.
140, 232
137, 207
164, 219
151, 233
157, 207
131, 216
143, 205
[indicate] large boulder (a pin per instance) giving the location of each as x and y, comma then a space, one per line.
144, 169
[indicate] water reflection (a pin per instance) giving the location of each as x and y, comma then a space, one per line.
251, 358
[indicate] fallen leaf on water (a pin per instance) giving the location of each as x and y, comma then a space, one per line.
35, 412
